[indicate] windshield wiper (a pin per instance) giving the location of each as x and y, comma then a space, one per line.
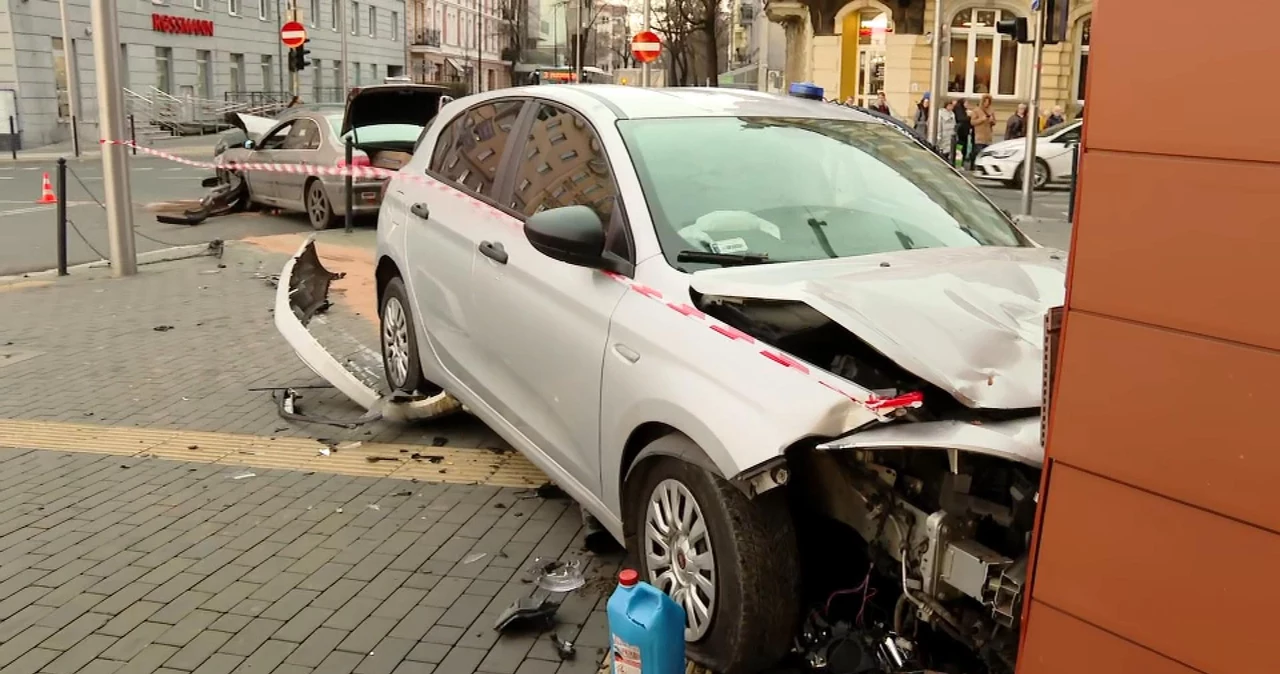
727, 259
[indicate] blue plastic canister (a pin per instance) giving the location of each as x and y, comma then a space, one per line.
646, 629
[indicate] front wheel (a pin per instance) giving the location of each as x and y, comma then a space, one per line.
400, 360
728, 560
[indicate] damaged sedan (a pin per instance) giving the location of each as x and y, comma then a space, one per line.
788, 355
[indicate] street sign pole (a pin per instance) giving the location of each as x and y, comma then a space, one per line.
1033, 111
644, 67
297, 76
115, 173
72, 60
935, 79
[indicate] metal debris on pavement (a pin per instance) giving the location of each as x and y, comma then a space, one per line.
564, 647
244, 475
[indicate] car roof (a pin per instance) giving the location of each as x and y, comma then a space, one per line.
640, 103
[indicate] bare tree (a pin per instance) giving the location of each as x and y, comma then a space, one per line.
690, 34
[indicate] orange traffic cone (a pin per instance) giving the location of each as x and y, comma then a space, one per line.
46, 191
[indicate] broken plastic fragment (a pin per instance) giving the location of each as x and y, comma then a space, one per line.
244, 475
350, 445
473, 557
374, 506
324, 451
557, 576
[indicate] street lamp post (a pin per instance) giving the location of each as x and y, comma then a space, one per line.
1033, 114
115, 168
72, 62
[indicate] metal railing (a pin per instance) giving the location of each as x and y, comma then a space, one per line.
427, 38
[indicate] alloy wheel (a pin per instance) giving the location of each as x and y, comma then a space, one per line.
395, 341
679, 556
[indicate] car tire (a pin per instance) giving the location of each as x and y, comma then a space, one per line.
400, 364
316, 201
1040, 177
754, 575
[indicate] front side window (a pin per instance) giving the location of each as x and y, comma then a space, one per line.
788, 190
469, 150
982, 61
563, 164
275, 140
305, 135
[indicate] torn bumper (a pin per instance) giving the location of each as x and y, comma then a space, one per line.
1016, 440
301, 293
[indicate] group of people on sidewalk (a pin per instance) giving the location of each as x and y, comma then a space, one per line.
964, 131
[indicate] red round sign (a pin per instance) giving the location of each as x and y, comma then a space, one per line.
646, 46
293, 34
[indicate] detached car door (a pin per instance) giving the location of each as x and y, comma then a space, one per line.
263, 184
444, 224
542, 325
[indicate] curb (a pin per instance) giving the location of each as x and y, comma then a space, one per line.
211, 249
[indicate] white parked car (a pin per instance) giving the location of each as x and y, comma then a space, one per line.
719, 317
1004, 160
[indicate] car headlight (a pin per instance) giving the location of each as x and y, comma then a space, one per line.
1003, 154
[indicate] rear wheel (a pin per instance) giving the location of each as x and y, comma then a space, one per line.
319, 211
729, 561
400, 362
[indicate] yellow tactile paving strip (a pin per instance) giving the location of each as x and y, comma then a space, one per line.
452, 465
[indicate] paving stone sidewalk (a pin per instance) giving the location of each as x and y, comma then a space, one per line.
111, 564
178, 346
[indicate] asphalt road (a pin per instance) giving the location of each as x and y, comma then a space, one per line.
28, 239
28, 230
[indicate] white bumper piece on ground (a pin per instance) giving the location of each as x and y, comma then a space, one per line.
301, 292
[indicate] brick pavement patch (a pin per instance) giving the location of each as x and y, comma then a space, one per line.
453, 465
191, 573
99, 357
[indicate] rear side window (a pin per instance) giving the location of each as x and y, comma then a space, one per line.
469, 151
563, 164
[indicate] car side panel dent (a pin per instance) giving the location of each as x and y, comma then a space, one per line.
742, 409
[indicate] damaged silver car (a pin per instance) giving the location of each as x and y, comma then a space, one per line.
775, 346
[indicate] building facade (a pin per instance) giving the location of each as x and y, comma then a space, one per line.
190, 50
452, 40
858, 48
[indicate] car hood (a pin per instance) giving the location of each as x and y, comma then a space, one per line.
252, 125
414, 104
968, 320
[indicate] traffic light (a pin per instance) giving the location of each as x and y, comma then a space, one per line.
1057, 21
298, 59
1016, 29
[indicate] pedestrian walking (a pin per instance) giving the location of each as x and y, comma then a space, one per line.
921, 124
947, 132
984, 127
964, 131
1016, 127
881, 105
1055, 118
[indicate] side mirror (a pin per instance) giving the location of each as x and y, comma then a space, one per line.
570, 234
248, 144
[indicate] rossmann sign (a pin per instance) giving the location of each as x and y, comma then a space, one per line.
181, 25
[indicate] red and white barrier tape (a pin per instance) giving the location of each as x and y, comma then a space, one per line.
883, 407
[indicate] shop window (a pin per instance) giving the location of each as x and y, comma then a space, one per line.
164, 69
60, 79
1082, 65
981, 61
204, 74
237, 73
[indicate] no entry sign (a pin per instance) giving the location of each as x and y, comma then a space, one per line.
293, 34
646, 46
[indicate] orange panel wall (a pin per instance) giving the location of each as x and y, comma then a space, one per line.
1158, 539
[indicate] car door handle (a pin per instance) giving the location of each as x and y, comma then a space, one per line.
420, 210
493, 251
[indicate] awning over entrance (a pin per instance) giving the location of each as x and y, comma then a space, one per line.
459, 66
